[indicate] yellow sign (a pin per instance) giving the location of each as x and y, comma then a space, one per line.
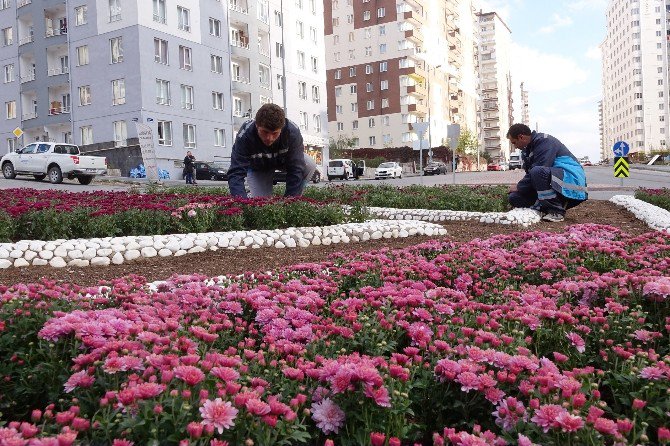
621, 169
18, 132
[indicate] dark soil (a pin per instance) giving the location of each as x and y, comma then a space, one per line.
227, 262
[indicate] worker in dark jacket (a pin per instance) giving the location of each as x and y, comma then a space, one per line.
555, 180
267, 143
189, 168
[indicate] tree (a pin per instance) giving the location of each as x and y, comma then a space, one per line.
342, 147
468, 144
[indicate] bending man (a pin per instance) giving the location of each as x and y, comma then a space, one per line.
554, 180
264, 144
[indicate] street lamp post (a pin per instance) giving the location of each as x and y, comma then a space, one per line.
430, 140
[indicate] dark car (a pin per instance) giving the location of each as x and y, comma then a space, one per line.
435, 168
280, 176
211, 171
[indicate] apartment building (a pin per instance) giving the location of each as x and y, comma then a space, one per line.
635, 75
298, 63
496, 84
84, 71
525, 108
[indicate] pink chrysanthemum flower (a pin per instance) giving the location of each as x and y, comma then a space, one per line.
328, 416
218, 414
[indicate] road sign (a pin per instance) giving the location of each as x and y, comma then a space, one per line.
420, 144
17, 132
621, 148
420, 128
621, 169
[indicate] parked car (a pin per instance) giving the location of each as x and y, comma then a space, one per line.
280, 176
217, 171
435, 168
342, 169
55, 160
497, 166
388, 170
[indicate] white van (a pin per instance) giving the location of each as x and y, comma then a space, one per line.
515, 161
340, 168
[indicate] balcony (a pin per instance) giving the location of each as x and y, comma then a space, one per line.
417, 89
413, 18
29, 115
26, 39
237, 6
417, 108
414, 35
240, 43
240, 79
57, 71
53, 111
21, 3
51, 32
263, 51
29, 76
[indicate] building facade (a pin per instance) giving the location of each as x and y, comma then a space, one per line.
635, 76
525, 108
496, 84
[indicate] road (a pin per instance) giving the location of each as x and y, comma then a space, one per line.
602, 184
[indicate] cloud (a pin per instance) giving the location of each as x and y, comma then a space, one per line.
580, 5
558, 21
578, 130
544, 71
594, 53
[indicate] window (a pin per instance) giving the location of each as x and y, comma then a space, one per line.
217, 100
301, 59
352, 54
186, 97
350, 18
302, 90
352, 71
120, 133
384, 85
219, 137
385, 102
338, 92
163, 92
336, 39
338, 109
383, 66
366, 15
368, 33
82, 55
304, 121
118, 91
279, 49
315, 64
185, 58
382, 30
9, 73
10, 108
316, 97
299, 29
214, 27
381, 12
371, 122
116, 48
85, 95
114, 10
312, 6
340, 126
189, 136
4, 4
316, 120
353, 89
371, 105
386, 120
354, 106
338, 74
368, 51
354, 125
280, 82
216, 63
312, 34
298, 3
161, 51
80, 15
164, 133
382, 48
264, 75
86, 133
336, 22
278, 19
159, 11
11, 145
7, 36
368, 87
184, 19
372, 140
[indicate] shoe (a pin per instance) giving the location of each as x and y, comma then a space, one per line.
553, 216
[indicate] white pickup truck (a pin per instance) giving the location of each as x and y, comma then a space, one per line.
56, 160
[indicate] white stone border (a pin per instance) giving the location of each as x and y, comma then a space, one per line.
518, 216
117, 250
654, 216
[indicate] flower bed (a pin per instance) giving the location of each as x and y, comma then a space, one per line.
552, 339
657, 197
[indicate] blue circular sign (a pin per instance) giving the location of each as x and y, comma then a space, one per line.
621, 148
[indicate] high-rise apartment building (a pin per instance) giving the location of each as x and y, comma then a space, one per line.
84, 71
299, 68
635, 75
496, 83
525, 109
391, 64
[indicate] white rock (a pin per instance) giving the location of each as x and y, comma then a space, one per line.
164, 252
4, 263
133, 246
89, 253
4, 254
60, 251
36, 245
325, 241
290, 243
40, 262
180, 253
248, 241
117, 258
79, 263
104, 252
212, 241
145, 243
50, 246
100, 261
19, 263
173, 246
46, 255
316, 241
376, 235
57, 262
22, 246
223, 242
387, 234
303, 243
158, 245
29, 255
200, 242
280, 244
118, 247
132, 254
186, 244
149, 251
197, 249
75, 254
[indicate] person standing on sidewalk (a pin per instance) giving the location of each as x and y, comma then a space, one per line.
189, 168
264, 144
555, 180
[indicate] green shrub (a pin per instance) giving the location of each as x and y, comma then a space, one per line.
657, 197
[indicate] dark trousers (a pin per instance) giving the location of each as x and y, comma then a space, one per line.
537, 193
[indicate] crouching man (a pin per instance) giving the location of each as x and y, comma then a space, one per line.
555, 180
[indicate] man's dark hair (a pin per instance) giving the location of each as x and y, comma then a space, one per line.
271, 117
518, 129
